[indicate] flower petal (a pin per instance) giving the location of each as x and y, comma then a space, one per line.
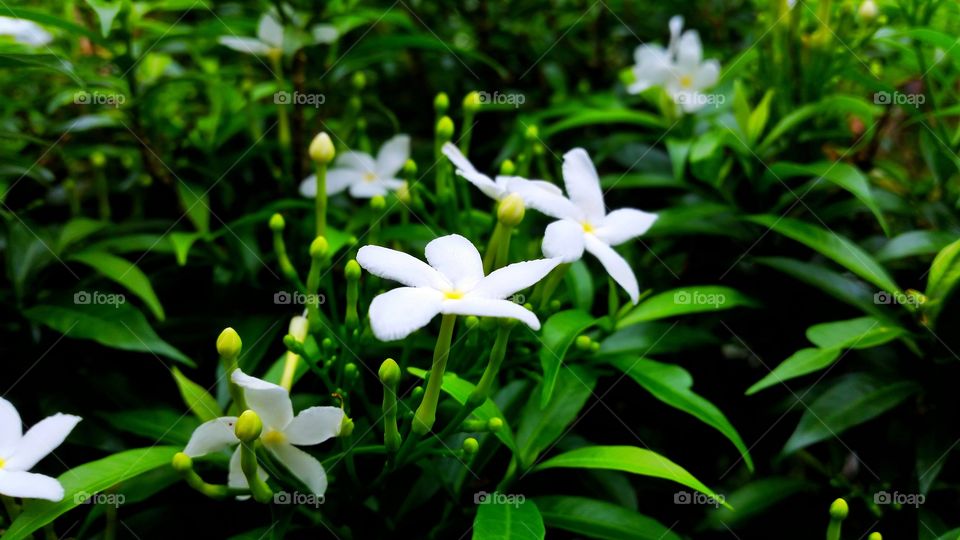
457, 259
467, 170
338, 179
314, 425
40, 440
392, 156
615, 265
270, 31
236, 479
707, 74
689, 50
652, 68
583, 184
302, 465
270, 401
537, 195
396, 314
358, 161
30, 486
11, 428
400, 267
212, 436
245, 45
623, 224
367, 190
564, 240
488, 307
514, 277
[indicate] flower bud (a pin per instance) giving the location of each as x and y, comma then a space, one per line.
471, 102
470, 446
511, 209
532, 133
471, 321
839, 509
294, 345
298, 328
97, 159
277, 223
507, 168
248, 426
403, 192
319, 247
346, 426
321, 148
494, 425
445, 129
595, 346
410, 168
441, 103
352, 271
868, 10
359, 80
229, 344
389, 372
350, 371
182, 462
584, 342
875, 536
378, 203
416, 393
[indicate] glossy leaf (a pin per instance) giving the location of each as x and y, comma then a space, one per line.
943, 278
600, 519
542, 426
508, 521
125, 273
685, 301
559, 332
197, 399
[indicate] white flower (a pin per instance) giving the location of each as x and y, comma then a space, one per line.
365, 176
680, 69
19, 452
585, 224
535, 193
453, 283
24, 31
269, 38
282, 433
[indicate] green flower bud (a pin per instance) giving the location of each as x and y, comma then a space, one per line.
507, 168
532, 133
441, 103
839, 509
182, 463
410, 168
97, 159
378, 203
511, 209
584, 342
359, 80
319, 247
555, 305
293, 345
403, 193
346, 426
594, 347
416, 393
327, 344
389, 372
350, 371
229, 344
494, 425
470, 446
352, 271
298, 328
248, 426
471, 321
277, 223
875, 536
471, 102
445, 129
321, 148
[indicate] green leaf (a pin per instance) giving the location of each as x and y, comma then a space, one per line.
628, 459
120, 326
49, 62
106, 12
197, 399
604, 117
914, 243
829, 106
685, 301
460, 390
519, 520
559, 332
672, 385
580, 284
182, 242
800, 363
196, 204
158, 425
600, 519
841, 287
833, 246
853, 400
77, 229
542, 426
758, 118
125, 273
49, 20
85, 480
860, 333
755, 499
944, 274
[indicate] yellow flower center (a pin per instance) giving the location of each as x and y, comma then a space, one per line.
686, 81
453, 295
274, 437
2, 463
369, 177
587, 227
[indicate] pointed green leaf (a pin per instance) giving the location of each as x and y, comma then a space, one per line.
542, 426
559, 332
600, 519
197, 399
125, 273
685, 301
519, 520
944, 275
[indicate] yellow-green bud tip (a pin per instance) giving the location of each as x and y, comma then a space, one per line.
471, 101
248, 427
875, 536
229, 344
321, 148
441, 103
98, 159
584, 342
377, 202
532, 133
470, 446
839, 509
494, 424
445, 128
346, 426
471, 321
389, 372
359, 80
298, 328
350, 370
319, 247
182, 462
507, 168
352, 271
277, 223
410, 168
511, 209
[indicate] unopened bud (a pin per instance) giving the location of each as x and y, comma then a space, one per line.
182, 462
359, 80
352, 271
494, 425
445, 128
319, 247
389, 372
321, 148
441, 103
584, 342
346, 426
97, 159
277, 223
248, 426
470, 446
378, 203
868, 10
410, 168
471, 102
229, 344
532, 133
507, 168
839, 509
298, 328
511, 209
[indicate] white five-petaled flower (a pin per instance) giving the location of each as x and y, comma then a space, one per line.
453, 283
19, 452
365, 176
535, 193
585, 224
679, 69
282, 433
24, 31
270, 38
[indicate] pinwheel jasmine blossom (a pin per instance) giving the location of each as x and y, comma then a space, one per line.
452, 283
364, 176
282, 433
679, 69
585, 224
19, 452
24, 31
271, 36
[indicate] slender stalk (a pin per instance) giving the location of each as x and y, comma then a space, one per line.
321, 200
426, 414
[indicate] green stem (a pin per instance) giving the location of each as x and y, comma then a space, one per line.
551, 283
426, 414
321, 200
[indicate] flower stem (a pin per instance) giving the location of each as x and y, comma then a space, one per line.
493, 248
321, 200
426, 414
290, 362
551, 283
13, 509
248, 463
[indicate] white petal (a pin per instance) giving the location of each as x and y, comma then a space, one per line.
244, 44
11, 428
30, 486
653, 66
236, 479
270, 401
314, 425
537, 195
396, 314
487, 307
40, 440
623, 224
689, 50
400, 267
564, 240
707, 74
467, 170
615, 265
212, 436
270, 31
338, 179
24, 31
549, 187
358, 161
392, 156
302, 465
583, 184
325, 33
457, 259
676, 26
514, 277
368, 190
